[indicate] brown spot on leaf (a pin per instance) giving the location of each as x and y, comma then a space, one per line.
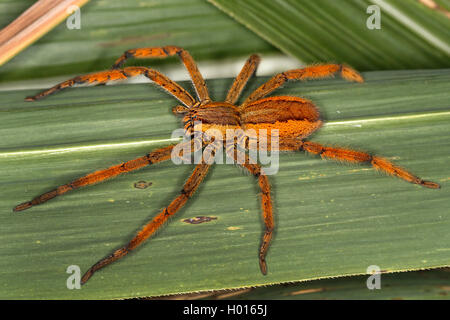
198, 220
142, 184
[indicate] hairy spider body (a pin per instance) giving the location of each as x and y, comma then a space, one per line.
294, 118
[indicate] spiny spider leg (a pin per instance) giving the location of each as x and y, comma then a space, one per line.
103, 77
156, 156
188, 190
161, 52
241, 80
235, 153
312, 72
353, 156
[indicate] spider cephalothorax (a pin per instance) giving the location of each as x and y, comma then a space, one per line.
293, 118
217, 115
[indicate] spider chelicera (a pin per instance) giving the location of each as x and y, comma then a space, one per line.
294, 118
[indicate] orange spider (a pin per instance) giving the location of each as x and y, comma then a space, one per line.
294, 117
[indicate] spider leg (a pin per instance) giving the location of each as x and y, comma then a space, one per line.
189, 188
156, 156
162, 52
311, 72
266, 203
103, 77
241, 80
354, 156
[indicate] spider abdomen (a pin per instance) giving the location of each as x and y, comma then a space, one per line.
291, 116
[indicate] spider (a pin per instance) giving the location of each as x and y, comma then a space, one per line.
295, 118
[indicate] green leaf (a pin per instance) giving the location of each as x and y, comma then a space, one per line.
331, 219
412, 36
423, 285
108, 28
